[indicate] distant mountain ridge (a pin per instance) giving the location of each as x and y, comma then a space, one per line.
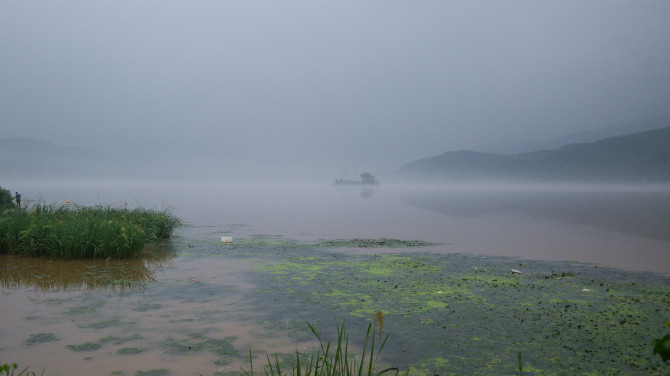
642, 156
584, 136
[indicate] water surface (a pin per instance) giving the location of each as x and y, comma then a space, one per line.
611, 225
193, 310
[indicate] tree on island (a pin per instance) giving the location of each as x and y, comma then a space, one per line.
367, 178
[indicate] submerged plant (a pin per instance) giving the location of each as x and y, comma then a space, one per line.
379, 321
328, 361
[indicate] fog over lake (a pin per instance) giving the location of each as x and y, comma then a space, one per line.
610, 225
238, 115
312, 88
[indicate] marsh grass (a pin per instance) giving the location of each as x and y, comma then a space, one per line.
67, 232
6, 200
330, 359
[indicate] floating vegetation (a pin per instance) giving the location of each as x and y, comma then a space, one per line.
275, 244
374, 243
92, 346
472, 315
71, 233
130, 351
41, 338
147, 307
120, 340
197, 342
153, 372
86, 309
447, 314
88, 346
103, 324
465, 314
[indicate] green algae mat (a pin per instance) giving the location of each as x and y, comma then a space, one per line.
460, 314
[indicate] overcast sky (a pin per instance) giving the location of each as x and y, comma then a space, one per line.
334, 85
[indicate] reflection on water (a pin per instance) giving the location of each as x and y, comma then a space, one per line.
367, 193
82, 275
642, 213
618, 226
163, 304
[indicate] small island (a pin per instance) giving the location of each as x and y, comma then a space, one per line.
72, 232
366, 179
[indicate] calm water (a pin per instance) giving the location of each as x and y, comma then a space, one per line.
162, 305
615, 226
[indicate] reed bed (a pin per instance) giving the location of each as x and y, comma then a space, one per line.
73, 232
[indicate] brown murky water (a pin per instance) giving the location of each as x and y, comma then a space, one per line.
191, 314
177, 313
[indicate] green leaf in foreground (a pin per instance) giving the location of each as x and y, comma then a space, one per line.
662, 347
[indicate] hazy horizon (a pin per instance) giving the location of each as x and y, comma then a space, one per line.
324, 87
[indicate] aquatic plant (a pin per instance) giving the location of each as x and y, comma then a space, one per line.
10, 369
41, 338
88, 346
379, 321
153, 372
374, 243
465, 314
83, 232
130, 351
662, 346
327, 363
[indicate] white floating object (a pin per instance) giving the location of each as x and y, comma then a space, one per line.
440, 292
514, 271
226, 239
586, 290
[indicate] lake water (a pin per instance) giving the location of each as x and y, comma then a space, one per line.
625, 227
156, 310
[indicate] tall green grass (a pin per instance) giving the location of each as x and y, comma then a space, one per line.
73, 232
330, 360
6, 199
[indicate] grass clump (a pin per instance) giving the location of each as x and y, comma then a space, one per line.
6, 200
330, 360
83, 232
